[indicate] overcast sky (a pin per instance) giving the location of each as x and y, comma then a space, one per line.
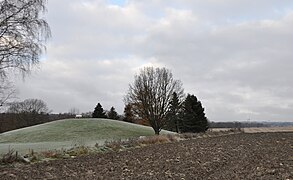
236, 56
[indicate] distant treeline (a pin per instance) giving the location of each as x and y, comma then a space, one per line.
12, 121
236, 124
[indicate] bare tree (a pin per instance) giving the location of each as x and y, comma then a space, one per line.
7, 92
73, 111
22, 33
151, 93
35, 106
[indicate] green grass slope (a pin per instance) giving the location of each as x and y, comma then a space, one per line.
70, 132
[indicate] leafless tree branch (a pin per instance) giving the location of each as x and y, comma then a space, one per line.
151, 93
22, 34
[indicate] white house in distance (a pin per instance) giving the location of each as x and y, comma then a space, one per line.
78, 116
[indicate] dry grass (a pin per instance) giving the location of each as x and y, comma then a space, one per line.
255, 129
10, 157
154, 140
114, 145
269, 129
189, 135
117, 145
78, 151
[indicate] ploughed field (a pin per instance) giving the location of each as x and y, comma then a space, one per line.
236, 156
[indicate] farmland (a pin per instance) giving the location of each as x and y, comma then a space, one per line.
235, 156
258, 129
258, 153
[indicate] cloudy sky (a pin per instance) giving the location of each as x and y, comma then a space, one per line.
235, 55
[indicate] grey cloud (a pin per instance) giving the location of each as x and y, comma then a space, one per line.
254, 55
215, 12
234, 55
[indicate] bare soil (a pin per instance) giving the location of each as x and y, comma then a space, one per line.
237, 156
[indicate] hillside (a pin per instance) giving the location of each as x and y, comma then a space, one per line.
70, 132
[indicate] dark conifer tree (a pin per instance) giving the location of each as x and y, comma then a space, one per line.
172, 123
112, 114
99, 112
128, 113
193, 116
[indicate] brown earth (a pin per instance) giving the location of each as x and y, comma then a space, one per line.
237, 156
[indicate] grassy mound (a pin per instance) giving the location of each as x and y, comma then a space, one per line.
70, 132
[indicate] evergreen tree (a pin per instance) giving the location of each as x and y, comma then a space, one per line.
99, 112
112, 114
193, 116
172, 123
128, 113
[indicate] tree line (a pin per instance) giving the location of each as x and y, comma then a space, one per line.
157, 99
154, 99
29, 112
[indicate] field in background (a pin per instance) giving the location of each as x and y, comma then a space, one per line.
269, 129
259, 129
69, 133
